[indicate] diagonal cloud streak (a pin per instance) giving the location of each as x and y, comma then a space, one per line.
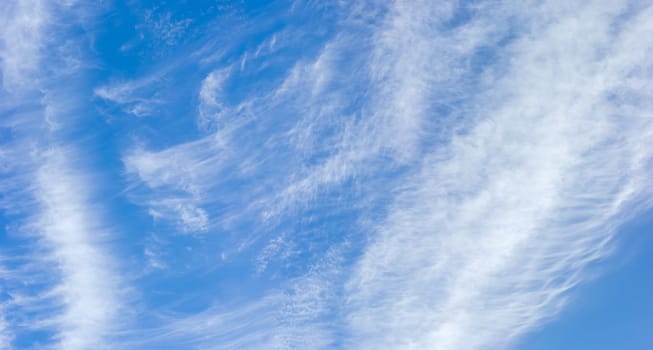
496, 227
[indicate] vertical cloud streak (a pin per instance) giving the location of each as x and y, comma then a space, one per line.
61, 291
70, 228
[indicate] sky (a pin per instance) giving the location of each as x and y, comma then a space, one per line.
212, 174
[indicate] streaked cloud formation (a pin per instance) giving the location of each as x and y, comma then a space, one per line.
301, 175
60, 289
495, 227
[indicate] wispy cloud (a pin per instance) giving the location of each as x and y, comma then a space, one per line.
134, 97
5, 335
496, 227
212, 106
295, 316
61, 287
511, 137
234, 149
70, 229
21, 39
181, 177
409, 175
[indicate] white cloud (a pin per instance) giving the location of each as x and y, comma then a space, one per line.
279, 248
5, 335
212, 106
164, 27
498, 207
134, 97
193, 219
182, 178
71, 229
21, 41
411, 68
235, 149
198, 168
62, 281
292, 317
20, 54
489, 236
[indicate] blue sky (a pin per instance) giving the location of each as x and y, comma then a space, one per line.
326, 174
